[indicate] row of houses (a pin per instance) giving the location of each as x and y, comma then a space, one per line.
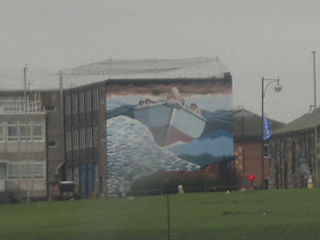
294, 152
290, 156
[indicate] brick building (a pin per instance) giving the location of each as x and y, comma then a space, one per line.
248, 145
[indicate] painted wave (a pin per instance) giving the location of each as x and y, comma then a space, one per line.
216, 146
132, 153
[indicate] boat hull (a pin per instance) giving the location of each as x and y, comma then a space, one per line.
169, 124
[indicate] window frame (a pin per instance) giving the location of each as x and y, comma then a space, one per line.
13, 125
266, 150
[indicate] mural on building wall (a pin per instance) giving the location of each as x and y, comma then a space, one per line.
163, 125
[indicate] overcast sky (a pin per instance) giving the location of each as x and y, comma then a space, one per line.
253, 38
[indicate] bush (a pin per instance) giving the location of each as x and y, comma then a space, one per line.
167, 182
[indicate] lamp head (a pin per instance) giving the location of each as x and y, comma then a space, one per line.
278, 88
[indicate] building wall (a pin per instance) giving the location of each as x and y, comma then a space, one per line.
23, 154
53, 143
293, 159
168, 125
102, 170
247, 128
51, 103
85, 137
248, 161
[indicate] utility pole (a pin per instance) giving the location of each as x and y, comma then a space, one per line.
26, 132
316, 121
314, 80
25, 87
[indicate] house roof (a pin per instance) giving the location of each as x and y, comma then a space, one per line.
305, 122
248, 125
39, 79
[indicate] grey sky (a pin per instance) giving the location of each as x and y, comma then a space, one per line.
254, 38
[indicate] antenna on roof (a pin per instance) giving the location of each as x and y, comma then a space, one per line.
314, 80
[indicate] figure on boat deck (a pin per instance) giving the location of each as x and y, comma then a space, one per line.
175, 99
195, 108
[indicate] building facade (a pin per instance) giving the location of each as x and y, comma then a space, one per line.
85, 137
23, 165
247, 129
294, 153
31, 142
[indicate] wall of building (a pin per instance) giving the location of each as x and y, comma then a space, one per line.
22, 148
293, 159
248, 161
51, 148
248, 145
51, 102
166, 124
85, 137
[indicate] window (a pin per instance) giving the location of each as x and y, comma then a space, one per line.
88, 100
95, 137
38, 159
277, 152
67, 105
89, 138
81, 103
13, 171
51, 143
68, 141
293, 157
25, 131
76, 175
267, 183
266, 152
27, 170
74, 103
96, 175
50, 108
2, 137
38, 130
75, 140
69, 174
95, 99
38, 170
82, 138
13, 131
12, 104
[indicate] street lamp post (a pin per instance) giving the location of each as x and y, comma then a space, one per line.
168, 209
316, 125
28, 173
25, 87
277, 88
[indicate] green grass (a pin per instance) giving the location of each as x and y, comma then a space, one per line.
290, 214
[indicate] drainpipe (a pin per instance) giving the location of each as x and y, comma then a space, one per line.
62, 135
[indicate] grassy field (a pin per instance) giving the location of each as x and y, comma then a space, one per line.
273, 214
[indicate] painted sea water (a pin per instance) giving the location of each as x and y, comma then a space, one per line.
132, 153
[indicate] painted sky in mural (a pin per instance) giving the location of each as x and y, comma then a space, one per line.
171, 127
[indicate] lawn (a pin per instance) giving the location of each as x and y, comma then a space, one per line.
272, 214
